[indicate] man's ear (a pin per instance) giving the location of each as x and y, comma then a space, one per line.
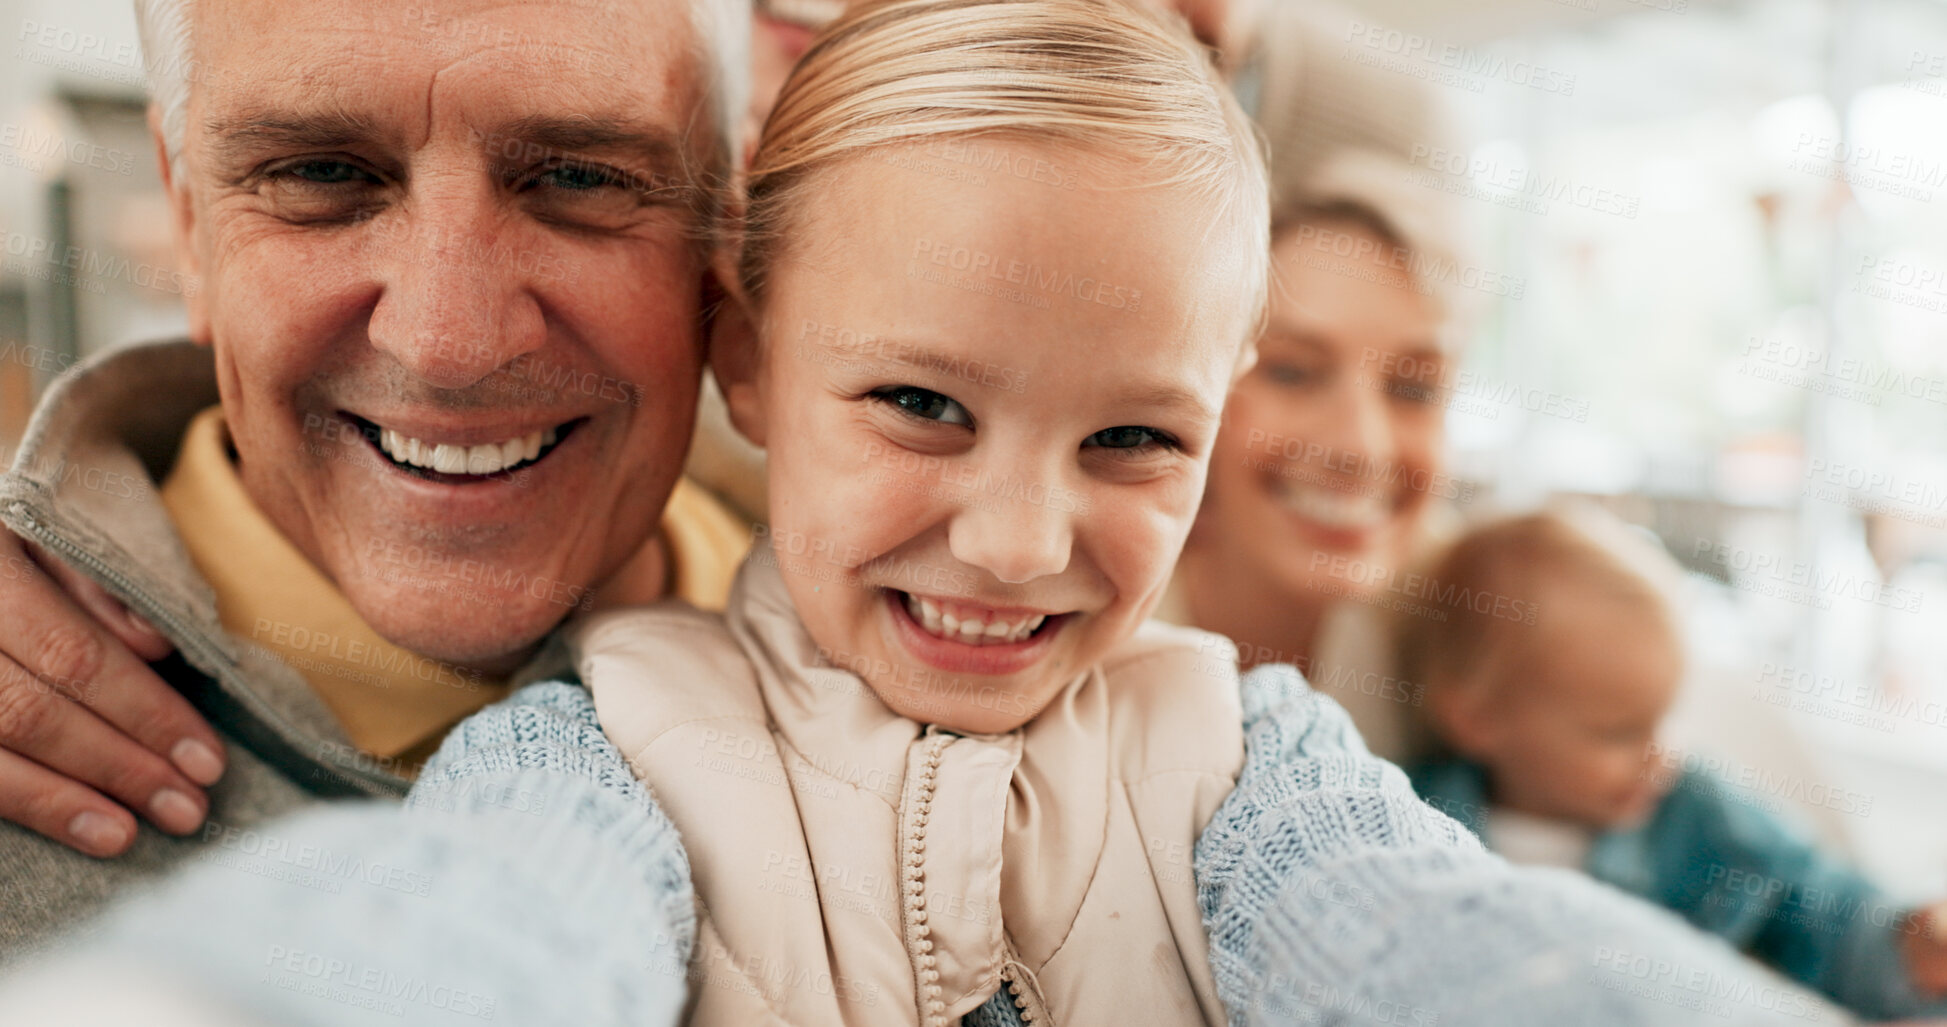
736, 359
183, 224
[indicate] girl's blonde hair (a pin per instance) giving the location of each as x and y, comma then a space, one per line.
1109, 79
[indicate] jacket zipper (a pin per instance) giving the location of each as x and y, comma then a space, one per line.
171, 627
1021, 986
48, 539
912, 880
1024, 990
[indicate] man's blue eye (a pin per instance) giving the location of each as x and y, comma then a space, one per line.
925, 404
328, 172
579, 177
1126, 437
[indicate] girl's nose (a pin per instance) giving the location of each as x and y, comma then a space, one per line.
1016, 538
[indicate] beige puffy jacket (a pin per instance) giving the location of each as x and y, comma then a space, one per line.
855, 867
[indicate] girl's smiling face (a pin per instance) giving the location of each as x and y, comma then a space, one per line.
989, 408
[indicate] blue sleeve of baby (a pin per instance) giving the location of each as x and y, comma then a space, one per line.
1332, 895
1737, 870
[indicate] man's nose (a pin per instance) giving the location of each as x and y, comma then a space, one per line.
455, 305
1017, 535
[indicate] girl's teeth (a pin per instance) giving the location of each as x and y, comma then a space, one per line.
942, 624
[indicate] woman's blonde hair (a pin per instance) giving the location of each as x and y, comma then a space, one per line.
1114, 82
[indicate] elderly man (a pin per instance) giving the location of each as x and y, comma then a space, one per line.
455, 268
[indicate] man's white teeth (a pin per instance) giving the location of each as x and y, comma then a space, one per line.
446, 458
1334, 509
972, 629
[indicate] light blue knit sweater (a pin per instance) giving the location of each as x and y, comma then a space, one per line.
534, 877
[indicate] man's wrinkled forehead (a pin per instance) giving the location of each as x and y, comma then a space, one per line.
389, 67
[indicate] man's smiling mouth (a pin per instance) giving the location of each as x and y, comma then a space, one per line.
453, 463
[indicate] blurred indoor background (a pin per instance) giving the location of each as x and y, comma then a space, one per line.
1719, 236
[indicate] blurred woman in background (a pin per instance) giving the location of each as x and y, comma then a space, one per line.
1329, 466
1329, 474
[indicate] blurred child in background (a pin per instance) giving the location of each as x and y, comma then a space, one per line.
1560, 654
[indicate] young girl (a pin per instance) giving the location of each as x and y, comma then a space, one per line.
1002, 264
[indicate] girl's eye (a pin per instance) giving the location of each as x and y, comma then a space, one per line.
1128, 437
924, 404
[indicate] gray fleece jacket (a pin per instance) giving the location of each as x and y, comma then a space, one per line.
83, 485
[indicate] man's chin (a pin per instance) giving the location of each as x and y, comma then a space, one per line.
493, 635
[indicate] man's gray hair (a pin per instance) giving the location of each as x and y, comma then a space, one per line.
722, 28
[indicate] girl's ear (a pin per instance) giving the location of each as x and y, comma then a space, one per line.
736, 358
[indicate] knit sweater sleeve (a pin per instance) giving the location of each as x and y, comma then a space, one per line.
530, 879
1332, 895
